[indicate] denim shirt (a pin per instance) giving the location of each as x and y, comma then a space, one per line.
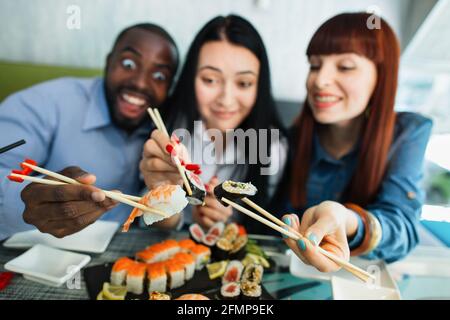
398, 204
66, 122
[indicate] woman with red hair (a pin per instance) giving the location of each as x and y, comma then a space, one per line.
356, 164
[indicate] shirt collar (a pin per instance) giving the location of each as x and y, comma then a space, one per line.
97, 115
320, 154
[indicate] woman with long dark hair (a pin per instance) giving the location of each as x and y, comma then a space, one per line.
357, 164
224, 87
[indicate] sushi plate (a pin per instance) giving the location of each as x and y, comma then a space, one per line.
95, 276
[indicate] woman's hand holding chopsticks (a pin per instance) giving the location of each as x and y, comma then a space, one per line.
65, 209
328, 224
157, 165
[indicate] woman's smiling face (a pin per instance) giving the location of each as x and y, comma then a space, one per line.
340, 86
226, 84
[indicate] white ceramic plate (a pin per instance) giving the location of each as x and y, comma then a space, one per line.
48, 265
94, 238
375, 267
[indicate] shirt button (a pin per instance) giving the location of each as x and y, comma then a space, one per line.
411, 195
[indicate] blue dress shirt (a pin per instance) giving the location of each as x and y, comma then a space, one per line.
399, 201
66, 122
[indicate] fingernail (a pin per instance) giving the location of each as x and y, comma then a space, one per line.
192, 167
198, 172
207, 187
175, 138
171, 150
182, 162
98, 196
296, 218
302, 244
288, 222
313, 238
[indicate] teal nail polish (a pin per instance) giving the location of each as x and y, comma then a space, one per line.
288, 222
302, 244
313, 238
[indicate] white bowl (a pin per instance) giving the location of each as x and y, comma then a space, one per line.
48, 265
344, 289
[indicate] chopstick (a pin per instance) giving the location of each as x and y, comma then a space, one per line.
66, 180
358, 272
12, 146
293, 234
159, 123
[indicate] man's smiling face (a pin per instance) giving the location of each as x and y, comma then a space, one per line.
138, 75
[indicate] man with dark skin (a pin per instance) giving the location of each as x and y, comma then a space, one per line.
138, 74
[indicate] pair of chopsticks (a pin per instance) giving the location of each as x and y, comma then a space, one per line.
156, 117
123, 198
280, 226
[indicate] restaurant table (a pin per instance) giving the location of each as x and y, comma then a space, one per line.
280, 284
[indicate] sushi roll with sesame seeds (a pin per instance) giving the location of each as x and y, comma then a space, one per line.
250, 290
135, 278
119, 271
233, 191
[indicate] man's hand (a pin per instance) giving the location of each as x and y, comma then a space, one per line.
65, 209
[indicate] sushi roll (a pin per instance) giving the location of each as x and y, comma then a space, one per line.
198, 189
147, 256
233, 272
120, 270
186, 245
231, 232
175, 274
250, 290
202, 255
253, 273
213, 234
155, 295
171, 199
238, 250
171, 246
157, 277
222, 249
230, 291
135, 278
189, 264
196, 233
234, 191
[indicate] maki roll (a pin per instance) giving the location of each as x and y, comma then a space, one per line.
222, 249
230, 291
250, 290
213, 234
198, 189
234, 191
253, 273
196, 233
231, 232
238, 250
233, 272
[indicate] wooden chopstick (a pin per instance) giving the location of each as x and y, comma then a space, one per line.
70, 180
156, 117
113, 195
356, 271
